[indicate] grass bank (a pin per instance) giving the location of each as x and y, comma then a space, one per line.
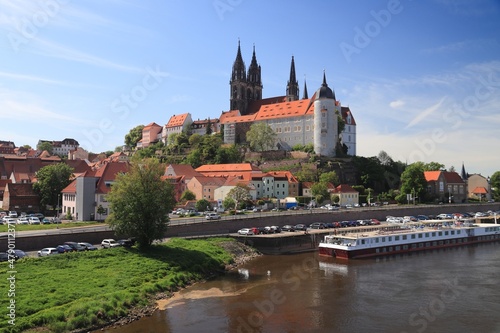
30, 227
90, 289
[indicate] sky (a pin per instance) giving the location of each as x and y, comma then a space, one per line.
422, 78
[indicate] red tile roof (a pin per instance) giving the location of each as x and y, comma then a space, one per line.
178, 120
344, 188
431, 176
480, 190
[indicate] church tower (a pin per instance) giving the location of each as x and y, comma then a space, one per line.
292, 87
238, 84
254, 82
325, 120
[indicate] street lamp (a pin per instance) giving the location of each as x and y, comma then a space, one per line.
58, 204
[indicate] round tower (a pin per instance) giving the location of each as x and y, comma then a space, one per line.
325, 121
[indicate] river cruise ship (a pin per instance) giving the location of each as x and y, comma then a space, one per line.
407, 238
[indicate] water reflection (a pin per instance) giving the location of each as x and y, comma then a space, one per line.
308, 293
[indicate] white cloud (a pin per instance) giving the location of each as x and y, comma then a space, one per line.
397, 104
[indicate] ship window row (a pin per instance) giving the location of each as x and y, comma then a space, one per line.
420, 235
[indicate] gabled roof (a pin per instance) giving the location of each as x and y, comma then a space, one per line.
296, 108
150, 126
344, 188
347, 112
452, 177
185, 170
480, 190
210, 181
18, 190
229, 114
178, 120
432, 176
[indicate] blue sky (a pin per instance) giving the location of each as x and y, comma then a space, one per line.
422, 78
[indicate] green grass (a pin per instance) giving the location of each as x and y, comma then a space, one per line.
82, 290
25, 227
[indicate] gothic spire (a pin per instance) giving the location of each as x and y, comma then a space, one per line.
292, 88
239, 70
305, 96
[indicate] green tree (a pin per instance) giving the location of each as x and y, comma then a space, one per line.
203, 205
495, 185
100, 211
433, 166
188, 196
306, 174
261, 137
239, 193
51, 180
320, 192
329, 177
413, 181
133, 136
140, 202
45, 145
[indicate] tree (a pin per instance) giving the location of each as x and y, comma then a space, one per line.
203, 205
100, 211
433, 166
51, 180
239, 193
495, 185
320, 192
413, 181
140, 202
188, 196
133, 136
45, 145
384, 158
329, 177
261, 137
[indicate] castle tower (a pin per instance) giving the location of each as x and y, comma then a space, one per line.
325, 120
254, 82
292, 87
238, 84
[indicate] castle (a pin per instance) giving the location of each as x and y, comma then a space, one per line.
296, 121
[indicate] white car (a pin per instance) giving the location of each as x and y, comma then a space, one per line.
13, 214
245, 231
47, 251
109, 243
212, 216
33, 220
22, 220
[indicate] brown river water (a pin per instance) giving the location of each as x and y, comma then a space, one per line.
448, 290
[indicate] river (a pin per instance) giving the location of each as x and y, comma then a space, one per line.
447, 290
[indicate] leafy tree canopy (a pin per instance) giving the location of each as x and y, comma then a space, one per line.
133, 136
51, 180
495, 185
45, 145
261, 137
413, 181
140, 202
433, 166
239, 193
188, 195
203, 205
329, 177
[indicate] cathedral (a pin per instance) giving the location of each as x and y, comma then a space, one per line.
296, 121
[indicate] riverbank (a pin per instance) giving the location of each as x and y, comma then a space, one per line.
78, 292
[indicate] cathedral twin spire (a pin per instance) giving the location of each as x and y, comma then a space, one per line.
247, 86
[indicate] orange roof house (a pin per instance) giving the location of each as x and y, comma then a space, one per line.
151, 133
446, 186
176, 124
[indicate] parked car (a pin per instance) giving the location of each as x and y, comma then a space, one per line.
273, 229
55, 220
288, 227
245, 231
39, 215
256, 231
63, 248
19, 254
22, 220
45, 221
34, 220
212, 216
300, 226
4, 256
317, 225
47, 251
88, 246
109, 243
13, 214
129, 242
75, 246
